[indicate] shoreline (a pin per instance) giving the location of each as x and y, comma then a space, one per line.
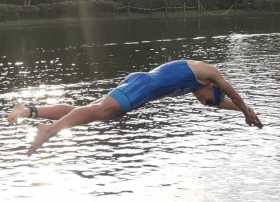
22, 23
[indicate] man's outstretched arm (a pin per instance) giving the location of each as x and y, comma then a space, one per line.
218, 79
228, 104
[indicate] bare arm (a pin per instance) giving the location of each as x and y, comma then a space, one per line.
237, 102
228, 104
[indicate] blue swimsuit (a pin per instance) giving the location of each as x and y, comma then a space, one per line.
138, 88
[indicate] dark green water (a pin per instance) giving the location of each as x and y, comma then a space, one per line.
170, 150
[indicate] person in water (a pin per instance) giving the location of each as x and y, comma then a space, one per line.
179, 76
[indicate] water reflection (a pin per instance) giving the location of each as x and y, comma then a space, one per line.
170, 150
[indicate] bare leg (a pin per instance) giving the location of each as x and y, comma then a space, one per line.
54, 112
104, 110
49, 112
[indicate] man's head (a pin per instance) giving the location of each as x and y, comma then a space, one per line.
210, 95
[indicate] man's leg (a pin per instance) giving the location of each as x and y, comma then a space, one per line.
104, 110
53, 112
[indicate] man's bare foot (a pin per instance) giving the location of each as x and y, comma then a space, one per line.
43, 135
19, 111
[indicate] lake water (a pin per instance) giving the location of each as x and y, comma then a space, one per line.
169, 150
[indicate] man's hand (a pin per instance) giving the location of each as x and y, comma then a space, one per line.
252, 119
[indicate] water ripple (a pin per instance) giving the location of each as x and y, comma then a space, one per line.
172, 148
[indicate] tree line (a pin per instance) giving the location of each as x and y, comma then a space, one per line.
18, 9
207, 4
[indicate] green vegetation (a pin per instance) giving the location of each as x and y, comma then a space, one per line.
207, 4
55, 9
34, 9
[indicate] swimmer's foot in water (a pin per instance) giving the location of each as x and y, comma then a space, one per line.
19, 111
43, 135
